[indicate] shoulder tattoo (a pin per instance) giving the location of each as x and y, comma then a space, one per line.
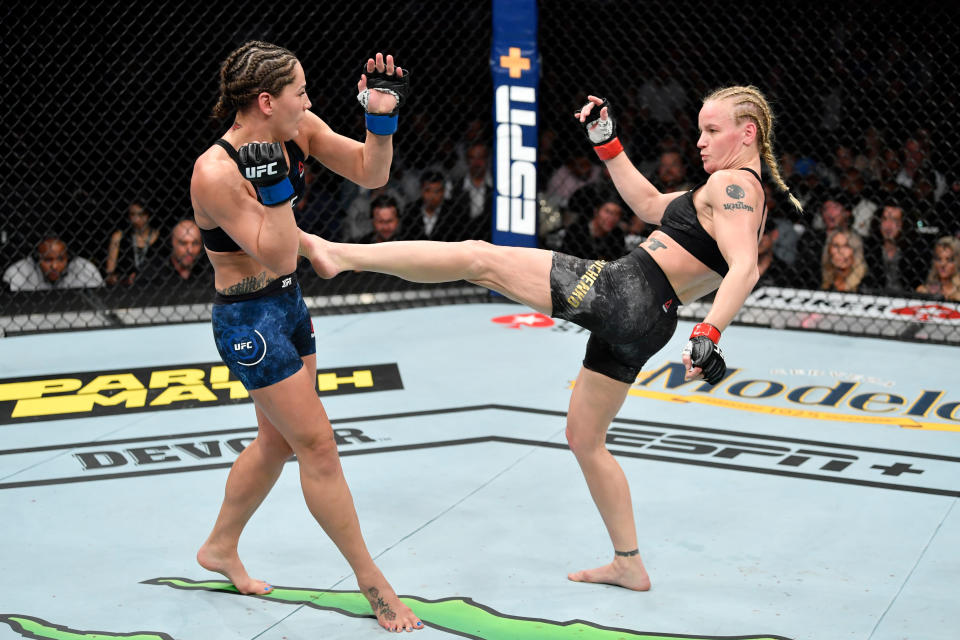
736, 192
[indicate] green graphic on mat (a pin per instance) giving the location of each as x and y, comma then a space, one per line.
460, 616
30, 627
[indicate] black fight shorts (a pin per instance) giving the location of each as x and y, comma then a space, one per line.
628, 306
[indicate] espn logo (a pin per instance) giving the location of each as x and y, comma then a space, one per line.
257, 172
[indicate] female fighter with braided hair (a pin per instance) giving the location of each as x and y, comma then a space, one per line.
242, 194
707, 241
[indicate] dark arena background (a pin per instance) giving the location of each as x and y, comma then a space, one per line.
108, 105
811, 494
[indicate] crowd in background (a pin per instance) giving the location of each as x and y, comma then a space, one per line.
880, 215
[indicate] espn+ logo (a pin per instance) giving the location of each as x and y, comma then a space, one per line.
516, 163
260, 171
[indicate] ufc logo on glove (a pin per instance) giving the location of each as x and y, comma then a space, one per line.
257, 172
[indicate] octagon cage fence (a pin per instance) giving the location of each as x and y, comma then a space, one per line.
108, 105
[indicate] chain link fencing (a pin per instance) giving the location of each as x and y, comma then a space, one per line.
108, 106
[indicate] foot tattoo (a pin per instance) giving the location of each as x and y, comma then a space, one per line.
381, 608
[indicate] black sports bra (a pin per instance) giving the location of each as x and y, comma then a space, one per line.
680, 223
217, 239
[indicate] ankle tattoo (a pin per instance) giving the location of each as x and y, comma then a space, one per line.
627, 554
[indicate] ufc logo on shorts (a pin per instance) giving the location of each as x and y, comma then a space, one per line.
257, 172
240, 346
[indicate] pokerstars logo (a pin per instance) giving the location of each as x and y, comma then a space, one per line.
927, 312
517, 320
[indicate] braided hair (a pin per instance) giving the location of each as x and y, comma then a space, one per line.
749, 103
250, 70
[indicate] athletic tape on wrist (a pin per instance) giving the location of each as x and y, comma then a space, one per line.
609, 150
382, 124
275, 193
708, 330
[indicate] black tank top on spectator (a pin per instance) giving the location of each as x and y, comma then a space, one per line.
216, 239
680, 223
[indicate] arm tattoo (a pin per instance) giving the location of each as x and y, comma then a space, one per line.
736, 192
655, 244
248, 285
380, 608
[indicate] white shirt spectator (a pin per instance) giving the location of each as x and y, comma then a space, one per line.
25, 275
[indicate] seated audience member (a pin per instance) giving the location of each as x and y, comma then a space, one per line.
893, 252
916, 162
774, 272
943, 279
357, 223
834, 216
130, 245
183, 263
318, 209
431, 217
600, 235
635, 231
473, 194
671, 173
385, 220
863, 208
843, 266
578, 171
52, 267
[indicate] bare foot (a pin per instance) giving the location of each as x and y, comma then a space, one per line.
622, 572
320, 254
392, 614
230, 566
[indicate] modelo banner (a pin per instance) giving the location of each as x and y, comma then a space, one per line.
516, 72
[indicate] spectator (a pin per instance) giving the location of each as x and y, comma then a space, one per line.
385, 216
661, 97
357, 223
930, 217
130, 245
671, 173
785, 246
600, 235
12, 243
476, 132
862, 206
870, 161
473, 194
943, 280
575, 173
52, 267
891, 251
774, 272
915, 157
430, 217
834, 216
843, 160
183, 263
318, 210
843, 264
635, 231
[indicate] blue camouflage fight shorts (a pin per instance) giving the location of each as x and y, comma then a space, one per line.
263, 335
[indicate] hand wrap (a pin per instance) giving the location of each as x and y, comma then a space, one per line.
602, 132
704, 352
384, 124
263, 164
